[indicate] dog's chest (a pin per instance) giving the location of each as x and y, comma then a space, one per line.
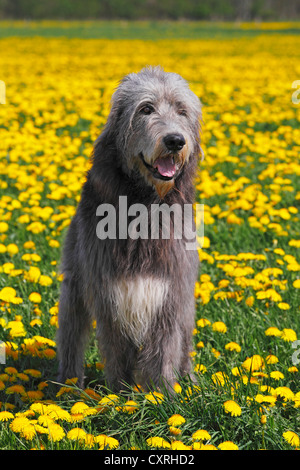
136, 302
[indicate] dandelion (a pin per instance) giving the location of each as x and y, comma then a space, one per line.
283, 306
179, 445
201, 446
292, 438
76, 434
130, 407
6, 416
232, 346
175, 431
154, 397
176, 420
232, 407
219, 378
254, 363
79, 408
45, 280
276, 375
219, 326
56, 432
106, 442
35, 297
228, 445
201, 435
288, 335
158, 442
273, 331
200, 368
3, 227
284, 392
18, 389
271, 359
8, 294
203, 322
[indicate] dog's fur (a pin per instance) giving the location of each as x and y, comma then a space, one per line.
141, 292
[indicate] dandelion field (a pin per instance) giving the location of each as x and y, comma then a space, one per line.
247, 394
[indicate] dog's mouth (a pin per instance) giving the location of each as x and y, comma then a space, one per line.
164, 168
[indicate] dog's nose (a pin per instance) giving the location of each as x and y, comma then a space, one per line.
174, 141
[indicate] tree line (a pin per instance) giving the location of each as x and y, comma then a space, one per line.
227, 10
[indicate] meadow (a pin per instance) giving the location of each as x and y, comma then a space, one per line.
245, 356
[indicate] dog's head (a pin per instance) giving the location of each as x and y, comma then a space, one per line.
155, 123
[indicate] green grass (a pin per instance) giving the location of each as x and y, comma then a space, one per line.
146, 30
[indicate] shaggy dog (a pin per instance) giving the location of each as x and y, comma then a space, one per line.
139, 289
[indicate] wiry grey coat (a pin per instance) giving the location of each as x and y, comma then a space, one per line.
140, 291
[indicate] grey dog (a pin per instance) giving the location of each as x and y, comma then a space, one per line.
140, 291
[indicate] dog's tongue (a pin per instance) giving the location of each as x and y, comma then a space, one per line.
166, 166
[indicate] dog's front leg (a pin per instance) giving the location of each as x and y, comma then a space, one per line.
74, 326
160, 358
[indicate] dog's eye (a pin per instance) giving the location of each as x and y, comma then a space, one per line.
182, 112
147, 109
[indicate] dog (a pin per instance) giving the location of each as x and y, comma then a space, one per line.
139, 290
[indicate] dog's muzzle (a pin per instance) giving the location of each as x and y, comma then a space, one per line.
164, 168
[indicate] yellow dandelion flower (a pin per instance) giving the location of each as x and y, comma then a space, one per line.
106, 442
28, 432
276, 375
16, 329
296, 284
154, 397
176, 420
76, 434
158, 442
179, 445
35, 297
232, 346
273, 331
10, 370
271, 359
33, 274
19, 423
3, 227
45, 280
288, 335
219, 378
8, 294
292, 438
79, 407
6, 416
228, 445
56, 432
203, 322
175, 431
39, 408
19, 389
130, 407
219, 326
201, 446
283, 306
200, 368
232, 407
254, 363
177, 388
89, 441
284, 392
201, 435
45, 420
33, 372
